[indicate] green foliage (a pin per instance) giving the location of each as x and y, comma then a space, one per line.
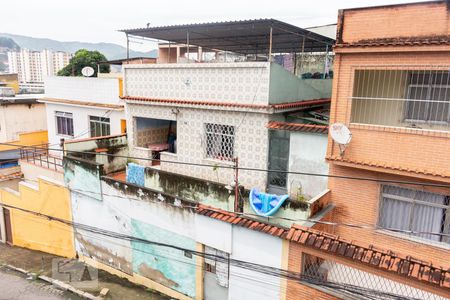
2, 67
81, 59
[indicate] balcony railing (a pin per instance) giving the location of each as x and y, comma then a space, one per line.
402, 98
38, 155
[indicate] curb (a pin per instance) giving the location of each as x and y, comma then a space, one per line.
59, 284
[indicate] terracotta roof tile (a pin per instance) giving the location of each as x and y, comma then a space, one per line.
82, 103
280, 106
386, 166
399, 41
377, 258
298, 127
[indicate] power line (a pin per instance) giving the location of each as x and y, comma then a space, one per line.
195, 206
218, 166
273, 271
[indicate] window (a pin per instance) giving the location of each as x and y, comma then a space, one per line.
219, 141
99, 126
64, 123
421, 212
428, 97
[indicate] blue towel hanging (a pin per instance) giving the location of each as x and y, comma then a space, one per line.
265, 204
136, 174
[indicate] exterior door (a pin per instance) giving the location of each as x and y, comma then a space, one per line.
8, 229
278, 160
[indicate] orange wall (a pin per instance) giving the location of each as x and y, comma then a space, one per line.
396, 21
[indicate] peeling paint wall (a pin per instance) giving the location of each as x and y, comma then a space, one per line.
83, 176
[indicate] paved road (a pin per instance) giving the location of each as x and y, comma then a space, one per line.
15, 286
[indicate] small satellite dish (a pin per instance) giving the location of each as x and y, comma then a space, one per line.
341, 135
87, 71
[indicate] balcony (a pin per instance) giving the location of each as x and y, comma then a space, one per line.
400, 121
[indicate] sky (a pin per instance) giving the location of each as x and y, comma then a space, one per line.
99, 20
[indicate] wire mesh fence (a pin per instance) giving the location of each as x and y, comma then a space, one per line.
351, 283
219, 141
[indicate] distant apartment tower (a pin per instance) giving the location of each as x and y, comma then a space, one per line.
33, 66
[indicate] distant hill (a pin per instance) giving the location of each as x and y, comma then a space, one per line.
110, 50
6, 44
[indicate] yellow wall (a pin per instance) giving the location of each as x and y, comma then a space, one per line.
28, 139
11, 80
35, 232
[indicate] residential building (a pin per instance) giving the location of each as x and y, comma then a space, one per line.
22, 122
82, 107
391, 90
33, 66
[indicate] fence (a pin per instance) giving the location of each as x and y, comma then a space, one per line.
402, 96
38, 155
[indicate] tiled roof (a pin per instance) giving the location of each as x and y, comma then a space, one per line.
387, 166
279, 106
82, 103
399, 41
10, 176
298, 127
382, 259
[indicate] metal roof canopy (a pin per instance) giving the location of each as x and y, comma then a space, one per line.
263, 36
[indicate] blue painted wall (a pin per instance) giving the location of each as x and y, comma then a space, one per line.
167, 266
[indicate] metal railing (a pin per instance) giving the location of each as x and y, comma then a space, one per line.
39, 155
402, 98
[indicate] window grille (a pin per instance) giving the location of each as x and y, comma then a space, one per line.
64, 123
402, 97
416, 211
351, 283
219, 141
99, 126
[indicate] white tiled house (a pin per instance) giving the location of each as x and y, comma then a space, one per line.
218, 111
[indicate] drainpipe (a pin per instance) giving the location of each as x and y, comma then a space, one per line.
236, 185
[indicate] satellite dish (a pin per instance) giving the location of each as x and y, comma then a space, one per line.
87, 71
341, 135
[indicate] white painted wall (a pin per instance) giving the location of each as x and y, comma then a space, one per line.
20, 118
260, 248
80, 121
307, 154
98, 90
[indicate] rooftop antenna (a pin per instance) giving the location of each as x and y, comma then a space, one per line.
341, 135
148, 25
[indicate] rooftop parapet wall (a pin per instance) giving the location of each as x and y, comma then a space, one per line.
93, 90
251, 83
406, 21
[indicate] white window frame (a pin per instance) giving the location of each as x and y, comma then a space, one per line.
66, 116
99, 121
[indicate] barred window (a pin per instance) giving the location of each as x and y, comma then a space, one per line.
421, 212
99, 126
64, 123
351, 283
219, 141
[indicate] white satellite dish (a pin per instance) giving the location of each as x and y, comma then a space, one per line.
87, 71
341, 135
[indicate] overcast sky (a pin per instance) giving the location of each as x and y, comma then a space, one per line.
99, 20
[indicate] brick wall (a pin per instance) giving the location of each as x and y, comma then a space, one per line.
396, 21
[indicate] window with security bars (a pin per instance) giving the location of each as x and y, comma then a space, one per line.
351, 283
420, 214
99, 126
64, 123
219, 141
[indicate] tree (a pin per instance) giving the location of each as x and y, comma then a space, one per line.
81, 59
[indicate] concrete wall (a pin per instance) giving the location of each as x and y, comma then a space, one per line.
34, 232
286, 87
20, 118
31, 171
81, 125
307, 154
98, 90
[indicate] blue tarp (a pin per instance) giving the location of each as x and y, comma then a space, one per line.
265, 204
135, 174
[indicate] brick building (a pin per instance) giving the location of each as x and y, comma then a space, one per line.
392, 90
